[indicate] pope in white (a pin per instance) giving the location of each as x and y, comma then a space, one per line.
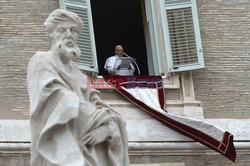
113, 63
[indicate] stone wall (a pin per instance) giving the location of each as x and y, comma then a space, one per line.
223, 86
191, 160
21, 35
14, 159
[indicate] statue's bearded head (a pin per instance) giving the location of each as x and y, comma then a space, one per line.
63, 28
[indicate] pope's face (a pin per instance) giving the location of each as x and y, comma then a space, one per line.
119, 51
64, 38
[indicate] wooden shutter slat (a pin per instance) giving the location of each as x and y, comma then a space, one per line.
172, 2
78, 1
184, 58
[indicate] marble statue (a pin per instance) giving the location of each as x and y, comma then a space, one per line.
70, 124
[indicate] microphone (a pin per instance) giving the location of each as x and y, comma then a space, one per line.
134, 62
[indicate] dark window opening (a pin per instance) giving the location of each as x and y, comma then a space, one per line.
119, 22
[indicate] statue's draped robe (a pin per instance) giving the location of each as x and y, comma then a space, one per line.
62, 110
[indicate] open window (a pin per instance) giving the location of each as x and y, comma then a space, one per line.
161, 41
119, 22
107, 24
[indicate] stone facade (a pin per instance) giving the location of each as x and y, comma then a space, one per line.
21, 35
222, 87
195, 160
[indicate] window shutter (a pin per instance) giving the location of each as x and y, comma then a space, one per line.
86, 40
154, 53
184, 50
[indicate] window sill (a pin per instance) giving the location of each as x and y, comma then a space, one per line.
170, 82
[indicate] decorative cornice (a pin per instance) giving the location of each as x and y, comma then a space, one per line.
143, 148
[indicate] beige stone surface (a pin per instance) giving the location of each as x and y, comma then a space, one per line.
223, 87
160, 164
